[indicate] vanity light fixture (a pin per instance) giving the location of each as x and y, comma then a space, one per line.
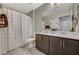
54, 4
51, 4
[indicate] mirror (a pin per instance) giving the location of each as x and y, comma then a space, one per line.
60, 18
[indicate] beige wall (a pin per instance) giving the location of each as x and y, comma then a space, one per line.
39, 26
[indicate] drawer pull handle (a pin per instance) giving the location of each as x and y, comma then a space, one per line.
63, 44
60, 43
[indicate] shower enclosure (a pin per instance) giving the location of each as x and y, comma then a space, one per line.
18, 31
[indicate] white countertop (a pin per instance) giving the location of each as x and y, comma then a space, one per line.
71, 35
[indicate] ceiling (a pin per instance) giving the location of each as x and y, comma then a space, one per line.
22, 7
65, 7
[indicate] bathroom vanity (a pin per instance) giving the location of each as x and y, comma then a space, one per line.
58, 43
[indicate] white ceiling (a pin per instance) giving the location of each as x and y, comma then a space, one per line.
65, 7
22, 7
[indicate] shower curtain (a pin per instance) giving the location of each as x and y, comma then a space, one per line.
3, 37
17, 32
3, 40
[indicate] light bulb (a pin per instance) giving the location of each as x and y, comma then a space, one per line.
54, 4
51, 3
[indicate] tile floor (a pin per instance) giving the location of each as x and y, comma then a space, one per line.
28, 49
25, 51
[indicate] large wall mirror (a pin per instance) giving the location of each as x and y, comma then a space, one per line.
59, 18
78, 16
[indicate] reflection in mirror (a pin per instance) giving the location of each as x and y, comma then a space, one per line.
78, 16
59, 17
65, 23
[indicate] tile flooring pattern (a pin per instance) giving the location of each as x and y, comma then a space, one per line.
25, 51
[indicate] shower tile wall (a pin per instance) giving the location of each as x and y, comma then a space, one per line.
3, 40
17, 32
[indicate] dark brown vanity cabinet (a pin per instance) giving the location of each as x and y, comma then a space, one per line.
63, 46
42, 43
57, 45
70, 46
39, 42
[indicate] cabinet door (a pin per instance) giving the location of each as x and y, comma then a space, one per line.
39, 42
55, 46
42, 43
45, 44
70, 47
